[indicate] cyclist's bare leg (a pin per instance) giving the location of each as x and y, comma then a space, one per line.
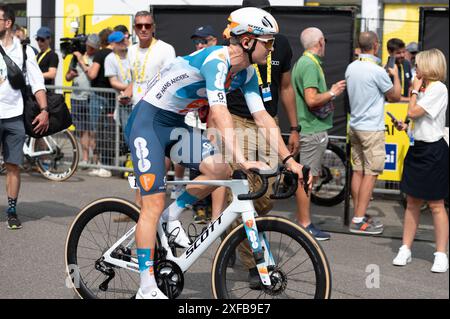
152, 207
211, 168
12, 180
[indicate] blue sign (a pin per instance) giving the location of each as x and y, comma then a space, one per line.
391, 157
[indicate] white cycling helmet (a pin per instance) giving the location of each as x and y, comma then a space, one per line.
253, 21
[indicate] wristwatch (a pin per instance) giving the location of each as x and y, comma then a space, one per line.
415, 92
333, 96
45, 109
297, 128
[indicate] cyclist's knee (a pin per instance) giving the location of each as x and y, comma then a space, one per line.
152, 206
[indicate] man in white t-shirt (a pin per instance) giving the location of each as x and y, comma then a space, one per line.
147, 57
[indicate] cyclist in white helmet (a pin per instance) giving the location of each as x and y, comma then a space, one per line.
188, 83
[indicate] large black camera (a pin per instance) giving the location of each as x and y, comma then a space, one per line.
71, 45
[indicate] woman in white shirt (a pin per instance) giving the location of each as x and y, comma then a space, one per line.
425, 172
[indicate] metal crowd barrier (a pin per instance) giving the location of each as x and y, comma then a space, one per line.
96, 112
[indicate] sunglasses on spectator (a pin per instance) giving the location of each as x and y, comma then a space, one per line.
147, 26
38, 39
268, 43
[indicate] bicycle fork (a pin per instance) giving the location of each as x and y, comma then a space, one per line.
259, 246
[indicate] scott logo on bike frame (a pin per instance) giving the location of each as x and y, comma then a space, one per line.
200, 239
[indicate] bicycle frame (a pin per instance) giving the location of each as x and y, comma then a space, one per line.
237, 208
29, 147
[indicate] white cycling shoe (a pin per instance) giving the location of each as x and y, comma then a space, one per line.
403, 257
152, 294
173, 228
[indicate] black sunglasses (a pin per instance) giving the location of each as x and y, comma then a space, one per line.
200, 41
147, 26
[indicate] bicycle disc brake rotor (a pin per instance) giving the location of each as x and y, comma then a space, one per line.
169, 278
278, 281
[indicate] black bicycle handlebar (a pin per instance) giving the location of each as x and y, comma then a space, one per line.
285, 186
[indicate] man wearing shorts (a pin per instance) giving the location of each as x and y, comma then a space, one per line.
368, 85
315, 115
12, 130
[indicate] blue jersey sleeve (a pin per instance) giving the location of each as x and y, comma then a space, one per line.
250, 88
215, 71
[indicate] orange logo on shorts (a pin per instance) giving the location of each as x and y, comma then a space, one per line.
147, 181
249, 223
263, 271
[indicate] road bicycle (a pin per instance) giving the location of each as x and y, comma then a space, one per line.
55, 156
101, 259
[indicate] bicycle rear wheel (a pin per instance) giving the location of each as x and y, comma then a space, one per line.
330, 188
301, 270
63, 162
96, 228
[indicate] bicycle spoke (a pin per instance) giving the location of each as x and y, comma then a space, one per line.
307, 258
300, 292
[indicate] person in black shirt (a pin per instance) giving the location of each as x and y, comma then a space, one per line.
397, 49
47, 58
272, 88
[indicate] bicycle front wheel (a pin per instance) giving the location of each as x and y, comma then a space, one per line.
96, 228
301, 269
62, 163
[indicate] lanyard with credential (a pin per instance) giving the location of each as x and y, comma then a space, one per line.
313, 58
43, 55
367, 60
402, 76
266, 94
126, 76
140, 77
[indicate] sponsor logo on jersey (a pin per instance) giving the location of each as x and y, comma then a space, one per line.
142, 152
147, 181
221, 75
169, 83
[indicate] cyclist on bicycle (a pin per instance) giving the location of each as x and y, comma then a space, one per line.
187, 84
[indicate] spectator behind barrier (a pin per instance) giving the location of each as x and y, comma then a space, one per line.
147, 58
425, 170
101, 105
367, 85
315, 113
125, 31
12, 130
411, 51
396, 48
79, 100
47, 59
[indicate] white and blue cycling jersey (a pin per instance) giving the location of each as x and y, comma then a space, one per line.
188, 83
202, 78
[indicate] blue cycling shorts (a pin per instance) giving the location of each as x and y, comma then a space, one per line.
152, 134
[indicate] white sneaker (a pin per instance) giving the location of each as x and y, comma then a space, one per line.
440, 262
94, 172
152, 294
174, 228
104, 173
83, 164
403, 257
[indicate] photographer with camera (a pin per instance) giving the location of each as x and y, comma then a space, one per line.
47, 59
79, 99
